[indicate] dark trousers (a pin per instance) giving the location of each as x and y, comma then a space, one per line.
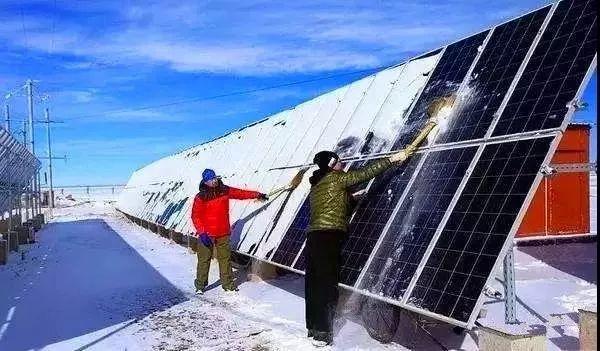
323, 250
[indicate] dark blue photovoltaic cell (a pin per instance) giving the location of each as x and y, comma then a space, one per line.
371, 215
465, 253
492, 76
396, 259
294, 238
297, 231
445, 80
554, 72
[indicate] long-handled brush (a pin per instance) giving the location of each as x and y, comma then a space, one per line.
292, 185
439, 110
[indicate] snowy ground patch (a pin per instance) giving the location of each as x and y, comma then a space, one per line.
96, 281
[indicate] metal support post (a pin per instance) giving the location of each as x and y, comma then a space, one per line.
7, 115
51, 194
510, 302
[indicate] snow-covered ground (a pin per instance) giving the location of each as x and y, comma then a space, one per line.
95, 281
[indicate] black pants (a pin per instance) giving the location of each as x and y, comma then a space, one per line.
323, 250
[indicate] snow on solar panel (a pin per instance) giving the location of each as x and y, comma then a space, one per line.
348, 142
295, 151
380, 137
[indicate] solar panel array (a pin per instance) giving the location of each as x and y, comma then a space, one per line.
428, 234
17, 166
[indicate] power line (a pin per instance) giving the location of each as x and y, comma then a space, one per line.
53, 28
235, 93
24, 30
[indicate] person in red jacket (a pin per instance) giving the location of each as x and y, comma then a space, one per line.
210, 215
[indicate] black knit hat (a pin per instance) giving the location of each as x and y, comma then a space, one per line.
325, 159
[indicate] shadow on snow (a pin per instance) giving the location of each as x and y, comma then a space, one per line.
91, 279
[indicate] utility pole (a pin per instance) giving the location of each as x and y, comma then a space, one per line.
27, 193
7, 115
29, 86
51, 195
36, 177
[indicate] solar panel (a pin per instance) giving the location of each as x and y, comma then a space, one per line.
446, 78
381, 135
348, 141
426, 235
477, 229
554, 72
371, 216
415, 222
261, 227
491, 77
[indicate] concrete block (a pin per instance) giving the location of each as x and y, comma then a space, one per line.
41, 218
37, 223
260, 271
3, 251
588, 330
28, 223
176, 236
3, 226
32, 236
26, 233
12, 238
519, 337
23, 235
153, 228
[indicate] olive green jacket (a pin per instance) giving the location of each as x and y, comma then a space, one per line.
329, 198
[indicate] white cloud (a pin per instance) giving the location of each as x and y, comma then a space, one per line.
247, 38
77, 96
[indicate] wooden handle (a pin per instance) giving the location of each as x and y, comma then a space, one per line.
422, 135
278, 190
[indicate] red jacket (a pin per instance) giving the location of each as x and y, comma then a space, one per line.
210, 212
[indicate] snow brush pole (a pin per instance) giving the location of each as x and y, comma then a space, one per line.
293, 183
429, 126
438, 110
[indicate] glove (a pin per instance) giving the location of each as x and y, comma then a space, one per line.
205, 239
263, 197
402, 155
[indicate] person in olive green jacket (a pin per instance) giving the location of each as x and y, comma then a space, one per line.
329, 212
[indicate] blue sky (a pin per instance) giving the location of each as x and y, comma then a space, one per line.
92, 58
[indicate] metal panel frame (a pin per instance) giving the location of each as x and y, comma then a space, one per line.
511, 234
417, 171
480, 149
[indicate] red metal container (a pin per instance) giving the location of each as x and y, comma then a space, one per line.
561, 205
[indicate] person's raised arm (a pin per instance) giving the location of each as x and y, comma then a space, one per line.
241, 194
